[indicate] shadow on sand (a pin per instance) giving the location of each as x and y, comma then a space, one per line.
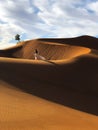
31, 81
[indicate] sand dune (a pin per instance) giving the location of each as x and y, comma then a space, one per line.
21, 111
51, 51
59, 93
85, 41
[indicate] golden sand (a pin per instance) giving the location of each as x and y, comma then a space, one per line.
56, 94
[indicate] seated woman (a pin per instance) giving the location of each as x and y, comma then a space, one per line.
37, 56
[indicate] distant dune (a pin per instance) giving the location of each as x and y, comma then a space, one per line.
58, 93
85, 41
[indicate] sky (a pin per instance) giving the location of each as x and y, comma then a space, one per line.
46, 19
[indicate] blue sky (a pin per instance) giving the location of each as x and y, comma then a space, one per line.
46, 18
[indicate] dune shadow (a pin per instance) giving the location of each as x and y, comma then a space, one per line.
59, 94
68, 89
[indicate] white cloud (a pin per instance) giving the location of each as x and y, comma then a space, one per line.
47, 18
93, 6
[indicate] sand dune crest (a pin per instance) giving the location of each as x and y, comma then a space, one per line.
51, 51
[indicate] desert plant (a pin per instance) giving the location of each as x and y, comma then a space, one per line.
17, 37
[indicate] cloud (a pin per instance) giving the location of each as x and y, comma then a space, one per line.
93, 7
67, 18
47, 18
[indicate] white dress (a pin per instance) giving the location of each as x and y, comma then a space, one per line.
39, 57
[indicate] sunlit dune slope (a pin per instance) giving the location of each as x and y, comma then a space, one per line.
22, 111
51, 51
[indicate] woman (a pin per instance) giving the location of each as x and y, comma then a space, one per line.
37, 56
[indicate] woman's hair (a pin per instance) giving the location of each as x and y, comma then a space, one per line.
35, 51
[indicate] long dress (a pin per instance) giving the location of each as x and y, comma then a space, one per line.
39, 57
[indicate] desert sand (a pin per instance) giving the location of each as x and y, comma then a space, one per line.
56, 94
